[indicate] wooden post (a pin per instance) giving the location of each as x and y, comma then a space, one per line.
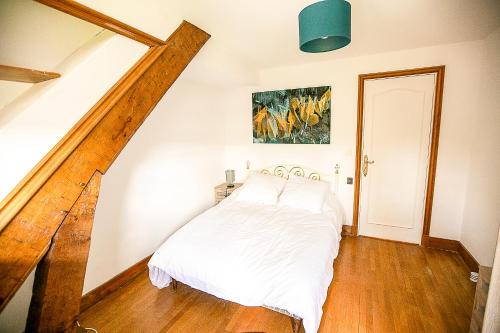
59, 277
31, 214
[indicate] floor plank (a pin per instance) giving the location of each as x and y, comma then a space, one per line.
378, 286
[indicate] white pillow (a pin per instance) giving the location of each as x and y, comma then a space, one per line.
303, 193
261, 188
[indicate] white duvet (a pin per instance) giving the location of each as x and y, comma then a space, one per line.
256, 255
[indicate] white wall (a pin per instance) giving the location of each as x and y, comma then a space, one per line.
459, 105
32, 124
163, 178
482, 206
14, 315
28, 27
491, 322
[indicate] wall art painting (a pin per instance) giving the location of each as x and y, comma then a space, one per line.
292, 116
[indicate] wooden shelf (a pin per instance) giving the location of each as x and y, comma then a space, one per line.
18, 74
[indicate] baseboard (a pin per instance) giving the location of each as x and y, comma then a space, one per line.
112, 285
441, 243
452, 245
346, 230
468, 258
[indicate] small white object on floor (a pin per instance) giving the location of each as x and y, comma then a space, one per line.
474, 276
80, 328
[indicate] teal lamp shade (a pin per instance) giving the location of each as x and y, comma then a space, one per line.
325, 26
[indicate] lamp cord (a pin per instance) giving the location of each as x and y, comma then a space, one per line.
86, 328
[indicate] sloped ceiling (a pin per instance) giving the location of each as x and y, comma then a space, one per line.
246, 35
38, 37
264, 33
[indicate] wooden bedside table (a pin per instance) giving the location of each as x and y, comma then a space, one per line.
222, 191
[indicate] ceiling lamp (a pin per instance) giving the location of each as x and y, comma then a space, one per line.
325, 26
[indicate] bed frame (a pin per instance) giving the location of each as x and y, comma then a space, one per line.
295, 320
285, 171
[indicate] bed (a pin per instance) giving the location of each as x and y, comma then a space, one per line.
272, 255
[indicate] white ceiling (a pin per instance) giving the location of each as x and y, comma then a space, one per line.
266, 32
36, 36
254, 33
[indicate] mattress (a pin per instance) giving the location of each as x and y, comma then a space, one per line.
256, 255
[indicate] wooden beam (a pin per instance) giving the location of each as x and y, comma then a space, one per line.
85, 13
58, 287
40, 202
33, 181
19, 74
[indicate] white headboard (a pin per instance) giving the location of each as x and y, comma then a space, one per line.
285, 171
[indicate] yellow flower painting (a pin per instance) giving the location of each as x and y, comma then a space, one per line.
295, 116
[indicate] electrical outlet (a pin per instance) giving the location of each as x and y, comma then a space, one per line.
349, 180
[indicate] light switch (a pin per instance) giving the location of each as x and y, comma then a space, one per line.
349, 180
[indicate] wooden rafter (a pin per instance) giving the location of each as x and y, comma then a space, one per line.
32, 182
19, 74
58, 287
37, 207
85, 13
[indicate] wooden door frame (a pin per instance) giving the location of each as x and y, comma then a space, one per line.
436, 121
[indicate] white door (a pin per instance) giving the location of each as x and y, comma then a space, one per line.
397, 128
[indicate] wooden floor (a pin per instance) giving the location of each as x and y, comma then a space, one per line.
378, 286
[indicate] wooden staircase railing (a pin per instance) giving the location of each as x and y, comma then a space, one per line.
34, 211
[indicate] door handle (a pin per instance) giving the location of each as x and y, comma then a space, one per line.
366, 162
